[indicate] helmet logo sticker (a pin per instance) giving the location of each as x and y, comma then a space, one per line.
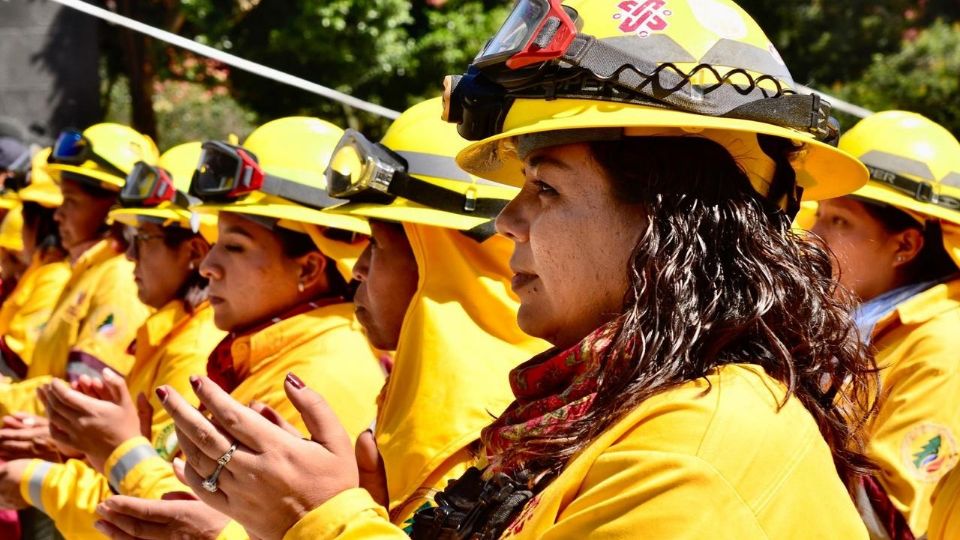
641, 17
929, 451
720, 19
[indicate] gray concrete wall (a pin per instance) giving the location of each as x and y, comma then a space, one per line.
49, 76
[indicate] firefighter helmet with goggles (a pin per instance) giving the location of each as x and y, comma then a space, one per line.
277, 174
643, 68
37, 186
411, 176
103, 154
158, 193
914, 163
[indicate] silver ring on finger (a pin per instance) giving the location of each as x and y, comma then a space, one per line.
210, 483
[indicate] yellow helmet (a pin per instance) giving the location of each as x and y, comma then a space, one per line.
914, 163
40, 187
615, 68
159, 193
424, 147
11, 230
281, 161
103, 154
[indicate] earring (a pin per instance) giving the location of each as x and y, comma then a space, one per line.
899, 258
300, 286
192, 266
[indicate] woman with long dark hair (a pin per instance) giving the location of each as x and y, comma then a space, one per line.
706, 378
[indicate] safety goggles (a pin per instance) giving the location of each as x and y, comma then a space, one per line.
227, 173
539, 53
536, 31
363, 171
72, 148
149, 186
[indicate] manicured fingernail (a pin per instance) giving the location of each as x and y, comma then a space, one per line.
162, 394
195, 382
109, 373
295, 381
100, 526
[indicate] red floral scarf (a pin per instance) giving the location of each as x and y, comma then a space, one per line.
552, 389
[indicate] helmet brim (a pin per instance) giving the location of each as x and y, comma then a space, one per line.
276, 208
886, 195
822, 170
131, 216
102, 179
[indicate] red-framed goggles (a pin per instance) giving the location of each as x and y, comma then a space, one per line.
536, 31
73, 148
149, 186
364, 171
227, 172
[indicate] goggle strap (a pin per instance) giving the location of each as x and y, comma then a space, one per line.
481, 232
925, 192
664, 84
184, 200
447, 200
299, 193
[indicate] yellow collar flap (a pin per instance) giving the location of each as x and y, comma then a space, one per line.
250, 351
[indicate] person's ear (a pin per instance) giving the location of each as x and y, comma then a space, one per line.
909, 244
313, 268
197, 249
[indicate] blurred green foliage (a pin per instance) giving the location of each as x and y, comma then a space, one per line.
187, 111
923, 76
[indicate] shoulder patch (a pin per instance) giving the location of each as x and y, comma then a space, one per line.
928, 451
107, 327
166, 443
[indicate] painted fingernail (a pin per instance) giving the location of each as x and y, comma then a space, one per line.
162, 394
295, 381
195, 382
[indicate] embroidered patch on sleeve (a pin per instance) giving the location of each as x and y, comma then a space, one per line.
167, 444
107, 327
929, 451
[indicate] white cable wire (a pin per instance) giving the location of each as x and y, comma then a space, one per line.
837, 103
229, 59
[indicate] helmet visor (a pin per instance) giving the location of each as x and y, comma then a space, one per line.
225, 172
147, 186
535, 31
361, 169
71, 147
